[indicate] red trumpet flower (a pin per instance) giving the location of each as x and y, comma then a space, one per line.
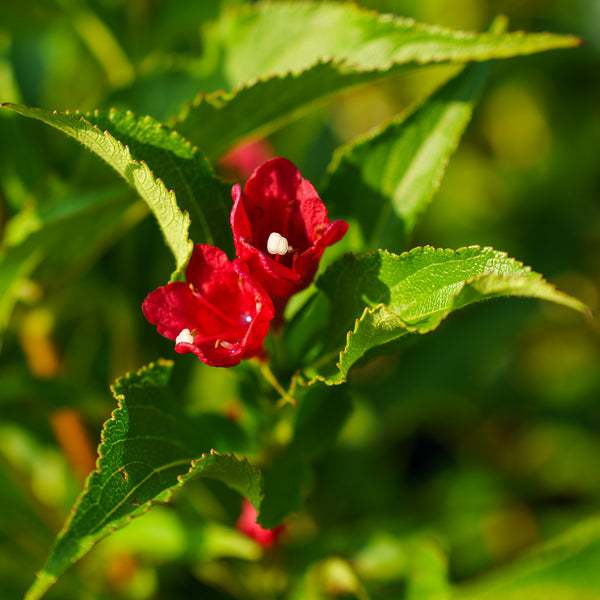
281, 229
221, 314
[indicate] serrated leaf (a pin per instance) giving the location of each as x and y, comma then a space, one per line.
297, 35
384, 181
281, 57
181, 167
216, 121
159, 164
173, 222
148, 450
380, 297
564, 568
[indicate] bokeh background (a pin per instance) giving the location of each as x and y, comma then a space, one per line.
484, 434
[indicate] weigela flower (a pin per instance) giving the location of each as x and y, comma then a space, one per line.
248, 526
243, 158
220, 314
280, 228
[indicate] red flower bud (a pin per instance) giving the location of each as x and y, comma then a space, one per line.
221, 314
280, 228
247, 525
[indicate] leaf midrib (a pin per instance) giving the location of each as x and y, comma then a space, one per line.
153, 472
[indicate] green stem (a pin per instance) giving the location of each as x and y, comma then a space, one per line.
268, 375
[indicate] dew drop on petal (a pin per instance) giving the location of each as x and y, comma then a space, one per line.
184, 337
231, 347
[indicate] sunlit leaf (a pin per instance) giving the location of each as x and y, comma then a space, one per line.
383, 182
181, 167
281, 57
148, 450
380, 297
173, 222
297, 35
167, 172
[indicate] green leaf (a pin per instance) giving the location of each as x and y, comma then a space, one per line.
148, 450
64, 235
284, 482
19, 507
293, 36
318, 420
428, 571
382, 182
216, 121
566, 568
281, 57
181, 167
378, 298
141, 149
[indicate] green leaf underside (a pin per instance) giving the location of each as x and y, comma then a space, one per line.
137, 146
148, 450
566, 568
384, 181
281, 57
394, 295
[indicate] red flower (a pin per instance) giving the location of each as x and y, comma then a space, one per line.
243, 158
280, 228
247, 525
221, 314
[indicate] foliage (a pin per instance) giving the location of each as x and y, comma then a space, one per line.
399, 464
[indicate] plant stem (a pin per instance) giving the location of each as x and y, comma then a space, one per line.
268, 375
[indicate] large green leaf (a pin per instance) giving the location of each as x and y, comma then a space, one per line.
281, 57
383, 182
277, 37
378, 298
148, 450
217, 120
565, 568
167, 172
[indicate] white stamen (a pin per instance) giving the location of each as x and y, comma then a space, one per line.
277, 244
185, 337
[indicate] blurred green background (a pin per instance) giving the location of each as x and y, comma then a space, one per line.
483, 434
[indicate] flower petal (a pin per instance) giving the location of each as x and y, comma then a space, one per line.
221, 314
276, 200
